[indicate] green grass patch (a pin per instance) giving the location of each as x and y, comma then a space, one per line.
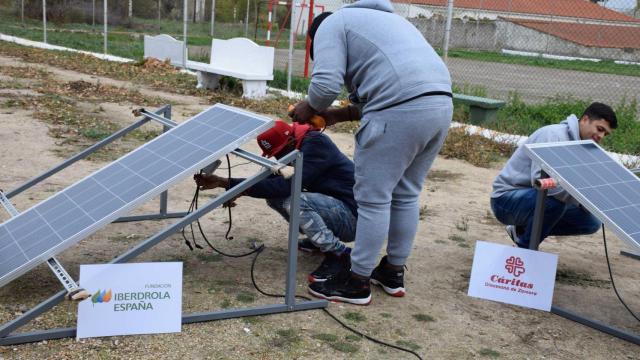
520, 118
245, 297
603, 67
423, 317
329, 338
345, 347
209, 257
408, 344
489, 353
386, 315
225, 304
354, 316
457, 238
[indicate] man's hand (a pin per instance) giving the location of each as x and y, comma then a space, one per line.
336, 115
302, 112
205, 182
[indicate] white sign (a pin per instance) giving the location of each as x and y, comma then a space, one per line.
142, 298
512, 275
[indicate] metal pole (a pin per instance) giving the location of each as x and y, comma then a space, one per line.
294, 226
184, 34
538, 216
213, 15
105, 16
246, 20
447, 31
308, 42
93, 14
291, 41
159, 10
22, 11
44, 19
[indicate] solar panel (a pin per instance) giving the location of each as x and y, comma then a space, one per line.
604, 187
81, 209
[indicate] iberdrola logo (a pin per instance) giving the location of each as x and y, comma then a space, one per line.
103, 296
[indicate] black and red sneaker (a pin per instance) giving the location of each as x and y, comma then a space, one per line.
391, 281
344, 287
307, 246
330, 266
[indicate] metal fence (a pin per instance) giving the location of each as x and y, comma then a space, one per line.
537, 49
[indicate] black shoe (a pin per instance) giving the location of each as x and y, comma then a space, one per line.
344, 287
392, 281
307, 246
330, 266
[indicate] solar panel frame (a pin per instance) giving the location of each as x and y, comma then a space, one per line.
242, 135
551, 161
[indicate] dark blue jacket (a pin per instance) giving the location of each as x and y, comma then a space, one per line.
325, 170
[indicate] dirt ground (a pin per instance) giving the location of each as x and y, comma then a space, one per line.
436, 318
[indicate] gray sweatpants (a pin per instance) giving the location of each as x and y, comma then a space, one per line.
394, 150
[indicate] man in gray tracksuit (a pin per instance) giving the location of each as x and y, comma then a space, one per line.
402, 89
513, 199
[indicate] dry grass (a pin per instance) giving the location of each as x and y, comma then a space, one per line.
475, 149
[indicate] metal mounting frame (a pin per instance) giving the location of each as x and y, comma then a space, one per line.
534, 243
165, 110
8, 337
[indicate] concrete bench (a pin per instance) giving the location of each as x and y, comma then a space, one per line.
240, 58
481, 109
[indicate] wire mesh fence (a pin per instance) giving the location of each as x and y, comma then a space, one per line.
532, 49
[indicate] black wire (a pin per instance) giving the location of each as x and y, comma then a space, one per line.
236, 165
253, 281
258, 250
606, 253
226, 236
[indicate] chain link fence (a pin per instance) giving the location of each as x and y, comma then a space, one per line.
533, 49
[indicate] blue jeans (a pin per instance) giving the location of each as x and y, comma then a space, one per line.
516, 207
326, 221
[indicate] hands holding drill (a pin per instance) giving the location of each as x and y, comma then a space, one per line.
303, 113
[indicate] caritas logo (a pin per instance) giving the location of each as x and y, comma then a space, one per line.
515, 266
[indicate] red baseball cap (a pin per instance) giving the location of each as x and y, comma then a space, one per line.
275, 139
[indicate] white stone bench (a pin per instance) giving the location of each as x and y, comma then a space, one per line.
240, 58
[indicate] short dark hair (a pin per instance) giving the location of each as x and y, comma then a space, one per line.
313, 28
600, 111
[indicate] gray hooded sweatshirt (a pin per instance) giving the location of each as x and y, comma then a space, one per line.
380, 57
520, 172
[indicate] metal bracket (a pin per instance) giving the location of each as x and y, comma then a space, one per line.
8, 205
62, 275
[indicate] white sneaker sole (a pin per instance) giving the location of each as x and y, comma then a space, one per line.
363, 301
397, 292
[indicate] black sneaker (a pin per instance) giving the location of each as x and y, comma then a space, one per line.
331, 265
307, 246
392, 281
344, 287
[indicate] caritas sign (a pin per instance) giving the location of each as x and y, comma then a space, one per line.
513, 275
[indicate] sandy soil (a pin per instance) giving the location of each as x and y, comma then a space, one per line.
436, 317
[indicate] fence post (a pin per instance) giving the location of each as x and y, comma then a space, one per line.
44, 20
213, 15
447, 31
291, 41
184, 33
105, 19
308, 42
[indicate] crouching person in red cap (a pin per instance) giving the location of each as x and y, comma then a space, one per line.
328, 209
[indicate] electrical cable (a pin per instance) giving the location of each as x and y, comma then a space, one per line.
257, 250
372, 339
606, 253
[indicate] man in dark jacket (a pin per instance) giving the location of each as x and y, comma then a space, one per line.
327, 206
